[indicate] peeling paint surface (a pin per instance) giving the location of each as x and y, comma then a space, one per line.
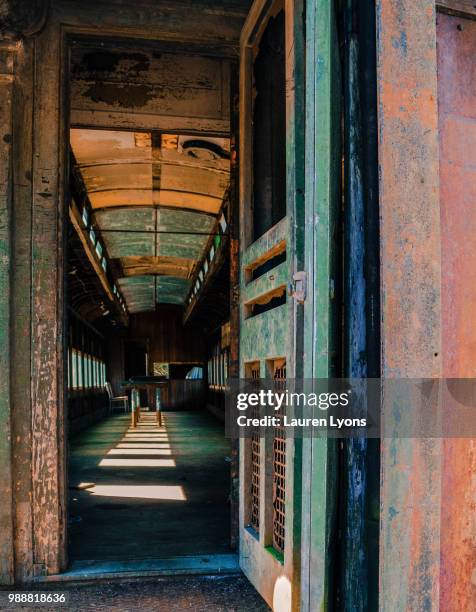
457, 128
410, 299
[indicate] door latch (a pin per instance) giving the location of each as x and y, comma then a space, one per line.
297, 288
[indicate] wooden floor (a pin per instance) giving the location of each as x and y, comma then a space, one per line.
149, 493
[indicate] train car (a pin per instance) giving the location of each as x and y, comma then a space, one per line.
199, 192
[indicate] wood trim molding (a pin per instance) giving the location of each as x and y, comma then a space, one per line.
463, 8
21, 19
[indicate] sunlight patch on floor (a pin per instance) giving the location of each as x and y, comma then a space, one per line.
139, 451
144, 445
137, 463
155, 436
163, 492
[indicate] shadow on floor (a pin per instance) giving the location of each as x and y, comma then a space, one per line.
150, 492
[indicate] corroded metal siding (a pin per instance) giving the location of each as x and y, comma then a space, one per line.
410, 299
457, 127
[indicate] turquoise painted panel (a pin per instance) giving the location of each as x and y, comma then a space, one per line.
276, 277
127, 243
272, 327
138, 292
266, 242
188, 247
183, 220
136, 221
171, 289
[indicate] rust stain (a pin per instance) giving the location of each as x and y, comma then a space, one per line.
410, 277
457, 125
108, 61
118, 94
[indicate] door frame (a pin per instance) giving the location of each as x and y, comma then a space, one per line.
321, 308
38, 524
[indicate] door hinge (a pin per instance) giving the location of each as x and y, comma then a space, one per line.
297, 288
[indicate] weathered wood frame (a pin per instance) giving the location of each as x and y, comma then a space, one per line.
323, 159
462, 8
33, 81
7, 54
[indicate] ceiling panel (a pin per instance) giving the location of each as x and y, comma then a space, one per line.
172, 290
91, 147
138, 292
180, 178
184, 220
121, 197
186, 247
117, 176
156, 198
171, 266
192, 201
128, 237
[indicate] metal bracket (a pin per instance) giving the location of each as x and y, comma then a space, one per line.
298, 287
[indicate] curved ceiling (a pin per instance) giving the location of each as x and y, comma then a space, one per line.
154, 199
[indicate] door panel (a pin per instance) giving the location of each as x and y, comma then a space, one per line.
269, 512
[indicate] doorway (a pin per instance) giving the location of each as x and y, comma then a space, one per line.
148, 285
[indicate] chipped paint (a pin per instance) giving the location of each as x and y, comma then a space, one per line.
410, 295
457, 129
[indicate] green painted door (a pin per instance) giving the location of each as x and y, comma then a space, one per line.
271, 202
322, 308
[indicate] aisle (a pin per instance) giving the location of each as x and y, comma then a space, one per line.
149, 492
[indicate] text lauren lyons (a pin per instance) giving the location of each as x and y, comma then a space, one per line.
285, 421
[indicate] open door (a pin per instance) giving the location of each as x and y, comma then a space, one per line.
271, 192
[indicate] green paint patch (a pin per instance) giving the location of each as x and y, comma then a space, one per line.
276, 554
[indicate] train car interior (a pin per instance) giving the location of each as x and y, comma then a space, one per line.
148, 306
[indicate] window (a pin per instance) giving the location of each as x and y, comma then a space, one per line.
223, 223
217, 368
269, 128
161, 369
85, 217
196, 373
85, 371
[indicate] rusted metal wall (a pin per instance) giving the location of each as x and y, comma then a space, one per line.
457, 127
410, 298
427, 196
